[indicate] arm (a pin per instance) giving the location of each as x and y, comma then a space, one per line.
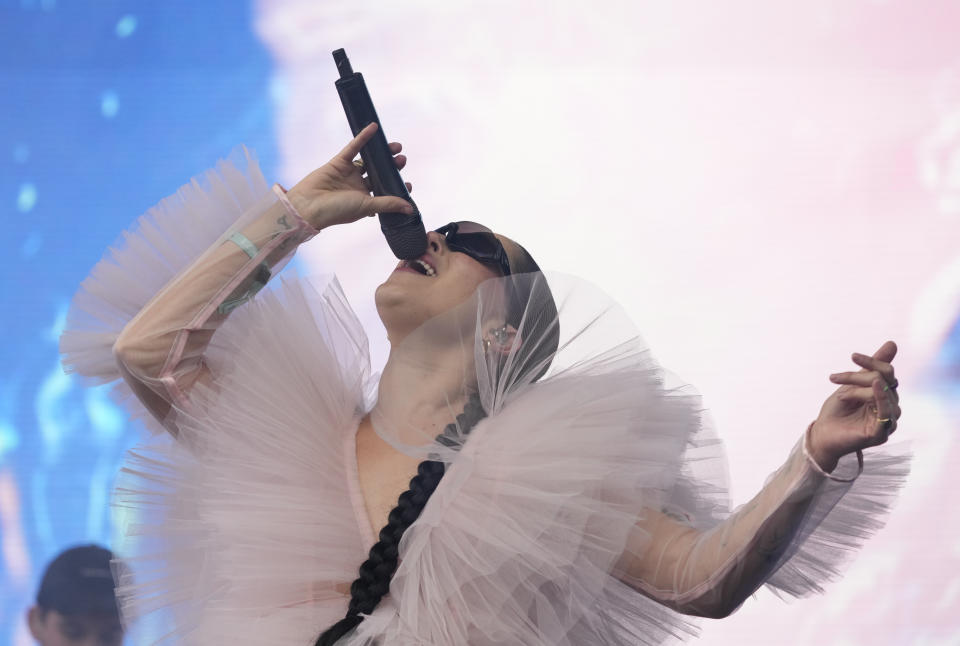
710, 573
793, 520
160, 352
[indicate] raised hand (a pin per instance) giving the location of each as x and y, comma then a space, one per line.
338, 193
862, 412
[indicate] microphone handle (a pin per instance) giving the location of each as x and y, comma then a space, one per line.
404, 233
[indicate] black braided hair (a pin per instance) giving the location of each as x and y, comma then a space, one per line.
377, 571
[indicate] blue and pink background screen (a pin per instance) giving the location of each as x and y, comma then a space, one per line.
766, 187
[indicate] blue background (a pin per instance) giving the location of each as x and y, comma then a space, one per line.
106, 107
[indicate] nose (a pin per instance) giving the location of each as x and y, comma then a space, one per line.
436, 242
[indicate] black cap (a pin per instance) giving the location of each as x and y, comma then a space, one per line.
79, 582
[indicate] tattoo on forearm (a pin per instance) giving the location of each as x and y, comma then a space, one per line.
285, 226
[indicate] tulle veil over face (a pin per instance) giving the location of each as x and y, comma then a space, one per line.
560, 326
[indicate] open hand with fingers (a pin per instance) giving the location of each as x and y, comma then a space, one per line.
338, 192
861, 413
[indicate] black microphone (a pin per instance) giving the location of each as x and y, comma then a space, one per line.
404, 233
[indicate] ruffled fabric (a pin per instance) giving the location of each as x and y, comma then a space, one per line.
152, 252
841, 519
242, 530
518, 542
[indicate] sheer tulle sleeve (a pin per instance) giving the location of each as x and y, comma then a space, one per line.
149, 308
794, 535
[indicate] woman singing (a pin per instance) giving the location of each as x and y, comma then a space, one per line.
522, 471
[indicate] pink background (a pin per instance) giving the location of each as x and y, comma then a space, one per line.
766, 186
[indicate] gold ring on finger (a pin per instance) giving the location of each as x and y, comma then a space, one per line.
359, 164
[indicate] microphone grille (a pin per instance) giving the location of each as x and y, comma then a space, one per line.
408, 241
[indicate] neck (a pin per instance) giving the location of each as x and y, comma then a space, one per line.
420, 393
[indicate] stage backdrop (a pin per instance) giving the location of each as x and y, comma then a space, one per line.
767, 187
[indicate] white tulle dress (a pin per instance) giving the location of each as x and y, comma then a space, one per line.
587, 507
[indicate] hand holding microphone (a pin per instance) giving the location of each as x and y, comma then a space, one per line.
336, 193
404, 231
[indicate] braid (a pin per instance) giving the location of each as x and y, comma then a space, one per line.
376, 572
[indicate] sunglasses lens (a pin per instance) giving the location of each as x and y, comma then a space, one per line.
471, 227
480, 243
477, 241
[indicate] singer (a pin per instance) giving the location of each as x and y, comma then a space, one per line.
522, 471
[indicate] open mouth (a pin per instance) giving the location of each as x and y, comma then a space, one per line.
420, 266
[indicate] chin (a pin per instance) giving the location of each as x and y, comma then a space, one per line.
398, 310
392, 293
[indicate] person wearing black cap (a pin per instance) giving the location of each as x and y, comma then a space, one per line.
75, 602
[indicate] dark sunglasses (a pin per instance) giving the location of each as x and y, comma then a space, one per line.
478, 242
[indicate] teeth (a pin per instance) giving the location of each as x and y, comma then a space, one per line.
426, 268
